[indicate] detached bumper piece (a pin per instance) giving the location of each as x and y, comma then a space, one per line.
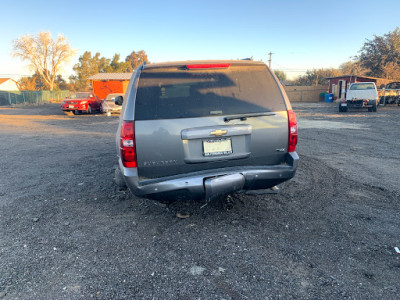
220, 186
212, 184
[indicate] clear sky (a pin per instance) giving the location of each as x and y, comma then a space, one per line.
300, 34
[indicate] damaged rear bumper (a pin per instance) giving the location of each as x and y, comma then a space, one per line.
211, 184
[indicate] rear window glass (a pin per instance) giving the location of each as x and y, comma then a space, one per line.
362, 86
176, 93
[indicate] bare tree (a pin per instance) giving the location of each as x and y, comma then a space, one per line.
353, 67
45, 55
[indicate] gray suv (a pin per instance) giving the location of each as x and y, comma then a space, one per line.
204, 129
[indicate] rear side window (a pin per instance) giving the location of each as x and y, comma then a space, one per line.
179, 93
362, 86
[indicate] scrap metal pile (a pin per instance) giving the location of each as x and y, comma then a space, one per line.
390, 94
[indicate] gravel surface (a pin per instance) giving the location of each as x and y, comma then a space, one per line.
67, 232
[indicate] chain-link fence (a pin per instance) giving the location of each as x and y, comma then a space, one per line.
31, 97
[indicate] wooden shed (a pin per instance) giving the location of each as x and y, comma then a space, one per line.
107, 83
338, 85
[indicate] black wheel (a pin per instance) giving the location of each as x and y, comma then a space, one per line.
373, 108
89, 109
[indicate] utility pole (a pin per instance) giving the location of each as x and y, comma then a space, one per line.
269, 61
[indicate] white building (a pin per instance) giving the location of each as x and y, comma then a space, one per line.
8, 84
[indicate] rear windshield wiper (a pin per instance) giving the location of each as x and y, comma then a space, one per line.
244, 117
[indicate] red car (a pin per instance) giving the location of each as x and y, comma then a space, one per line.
81, 102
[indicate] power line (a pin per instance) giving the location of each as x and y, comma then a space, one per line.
26, 75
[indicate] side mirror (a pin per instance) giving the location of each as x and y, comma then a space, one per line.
119, 100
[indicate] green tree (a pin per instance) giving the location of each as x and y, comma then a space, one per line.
280, 74
31, 83
61, 83
135, 59
35, 83
45, 55
118, 67
381, 55
87, 66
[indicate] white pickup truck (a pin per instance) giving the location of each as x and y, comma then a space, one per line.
360, 95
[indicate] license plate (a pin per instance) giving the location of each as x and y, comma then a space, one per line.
217, 147
344, 104
71, 106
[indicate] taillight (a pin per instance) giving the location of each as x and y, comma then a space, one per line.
292, 131
207, 66
127, 144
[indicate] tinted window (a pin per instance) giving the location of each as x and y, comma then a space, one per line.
173, 93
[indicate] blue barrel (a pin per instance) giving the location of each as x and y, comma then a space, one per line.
328, 97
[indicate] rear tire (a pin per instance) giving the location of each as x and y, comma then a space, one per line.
342, 109
373, 108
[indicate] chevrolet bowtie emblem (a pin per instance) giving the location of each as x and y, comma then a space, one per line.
218, 132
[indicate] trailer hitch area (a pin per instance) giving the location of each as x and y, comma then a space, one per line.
228, 203
274, 190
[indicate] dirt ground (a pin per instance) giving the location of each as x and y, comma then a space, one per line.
66, 232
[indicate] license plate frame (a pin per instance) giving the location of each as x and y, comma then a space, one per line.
217, 147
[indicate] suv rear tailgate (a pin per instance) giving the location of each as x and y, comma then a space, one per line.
180, 124
170, 147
